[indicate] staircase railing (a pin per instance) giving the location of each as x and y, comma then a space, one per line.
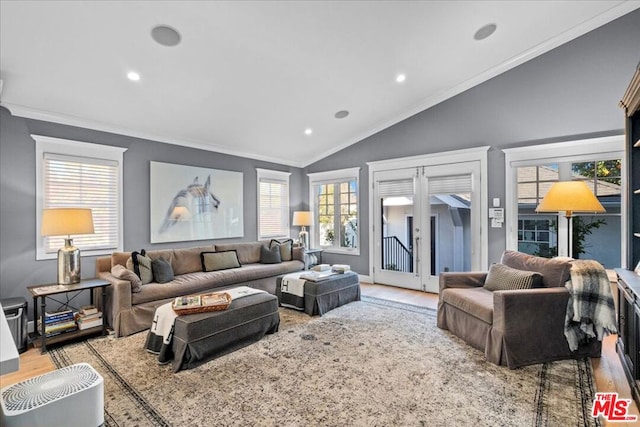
396, 256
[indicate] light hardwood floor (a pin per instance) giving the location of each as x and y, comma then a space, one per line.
607, 369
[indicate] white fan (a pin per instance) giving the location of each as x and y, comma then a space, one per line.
71, 396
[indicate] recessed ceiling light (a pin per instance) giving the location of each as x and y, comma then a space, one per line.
165, 35
485, 31
133, 76
341, 114
308, 131
401, 78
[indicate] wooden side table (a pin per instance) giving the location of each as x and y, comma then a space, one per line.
48, 291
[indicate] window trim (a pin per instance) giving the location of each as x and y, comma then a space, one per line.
332, 177
610, 147
67, 147
276, 176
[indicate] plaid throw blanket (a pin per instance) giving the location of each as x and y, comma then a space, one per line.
590, 311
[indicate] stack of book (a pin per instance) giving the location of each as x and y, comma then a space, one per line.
340, 268
58, 322
88, 317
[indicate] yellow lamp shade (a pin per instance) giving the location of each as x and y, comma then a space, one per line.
66, 221
302, 218
570, 196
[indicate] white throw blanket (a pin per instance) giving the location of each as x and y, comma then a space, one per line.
293, 284
590, 310
164, 317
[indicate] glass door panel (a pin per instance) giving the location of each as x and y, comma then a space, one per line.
395, 233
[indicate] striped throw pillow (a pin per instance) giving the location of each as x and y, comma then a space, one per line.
503, 278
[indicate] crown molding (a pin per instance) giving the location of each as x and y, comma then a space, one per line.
48, 116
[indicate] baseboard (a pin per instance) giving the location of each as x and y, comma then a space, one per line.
364, 278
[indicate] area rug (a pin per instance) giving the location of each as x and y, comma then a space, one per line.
367, 363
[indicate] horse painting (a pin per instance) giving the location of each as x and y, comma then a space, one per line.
194, 203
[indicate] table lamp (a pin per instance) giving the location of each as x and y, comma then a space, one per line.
570, 197
303, 219
65, 222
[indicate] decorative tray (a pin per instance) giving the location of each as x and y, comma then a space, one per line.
216, 301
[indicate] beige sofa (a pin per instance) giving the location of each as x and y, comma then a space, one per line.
512, 327
129, 312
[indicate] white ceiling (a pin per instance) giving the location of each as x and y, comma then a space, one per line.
249, 77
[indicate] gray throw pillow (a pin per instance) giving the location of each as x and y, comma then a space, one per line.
554, 271
213, 261
162, 270
122, 273
140, 264
270, 255
504, 278
286, 248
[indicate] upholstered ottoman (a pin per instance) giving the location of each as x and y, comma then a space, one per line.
322, 296
201, 337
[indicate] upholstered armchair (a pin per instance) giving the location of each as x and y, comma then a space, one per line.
515, 313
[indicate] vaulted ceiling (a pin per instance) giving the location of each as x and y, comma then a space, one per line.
249, 78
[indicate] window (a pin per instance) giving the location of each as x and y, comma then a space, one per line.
78, 174
273, 204
530, 173
334, 202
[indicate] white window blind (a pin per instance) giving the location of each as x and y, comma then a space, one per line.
398, 187
83, 182
273, 204
83, 175
451, 184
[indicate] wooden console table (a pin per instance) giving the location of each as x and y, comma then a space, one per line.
48, 291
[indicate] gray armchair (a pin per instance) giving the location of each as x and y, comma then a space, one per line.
512, 327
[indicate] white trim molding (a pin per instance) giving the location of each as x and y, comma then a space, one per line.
610, 147
316, 178
476, 154
46, 144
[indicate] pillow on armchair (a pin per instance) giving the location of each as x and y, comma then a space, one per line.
504, 278
555, 272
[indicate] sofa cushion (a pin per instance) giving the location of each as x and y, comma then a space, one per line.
140, 264
503, 278
187, 260
477, 302
122, 273
214, 261
120, 258
162, 271
270, 255
248, 253
286, 248
555, 272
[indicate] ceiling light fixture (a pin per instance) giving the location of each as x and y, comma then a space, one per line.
401, 78
308, 131
485, 31
341, 114
165, 35
133, 76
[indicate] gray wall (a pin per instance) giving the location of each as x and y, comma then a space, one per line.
571, 92
18, 265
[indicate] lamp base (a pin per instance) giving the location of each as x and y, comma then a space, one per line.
303, 236
68, 264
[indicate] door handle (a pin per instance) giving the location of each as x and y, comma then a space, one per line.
416, 251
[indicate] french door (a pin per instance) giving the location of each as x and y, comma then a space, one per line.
426, 221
